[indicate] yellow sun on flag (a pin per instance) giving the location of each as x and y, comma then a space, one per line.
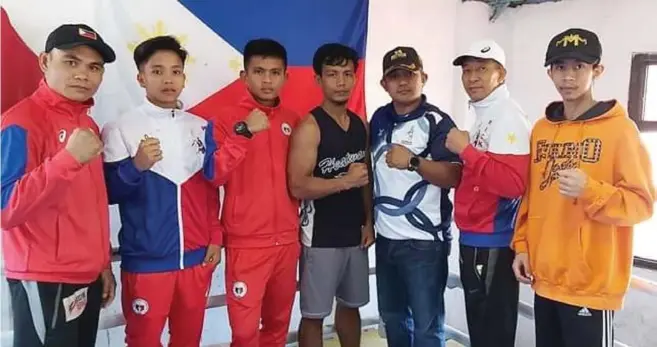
235, 64
158, 29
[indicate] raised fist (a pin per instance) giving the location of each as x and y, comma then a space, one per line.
257, 121
84, 145
357, 176
148, 153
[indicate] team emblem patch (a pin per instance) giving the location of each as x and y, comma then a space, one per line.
61, 136
286, 128
239, 289
140, 306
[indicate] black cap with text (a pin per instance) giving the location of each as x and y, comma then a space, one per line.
68, 36
579, 44
401, 58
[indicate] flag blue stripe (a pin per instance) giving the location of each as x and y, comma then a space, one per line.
300, 25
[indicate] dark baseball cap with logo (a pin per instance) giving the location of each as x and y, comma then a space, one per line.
68, 36
575, 43
405, 58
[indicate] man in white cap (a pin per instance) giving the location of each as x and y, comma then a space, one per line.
495, 157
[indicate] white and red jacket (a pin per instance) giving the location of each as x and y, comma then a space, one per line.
495, 167
55, 221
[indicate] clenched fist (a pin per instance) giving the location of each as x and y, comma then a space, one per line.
84, 145
357, 176
257, 121
457, 140
398, 157
148, 153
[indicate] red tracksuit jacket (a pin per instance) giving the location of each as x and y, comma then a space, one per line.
258, 208
55, 220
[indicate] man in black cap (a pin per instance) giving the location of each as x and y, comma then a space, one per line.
413, 175
55, 220
590, 182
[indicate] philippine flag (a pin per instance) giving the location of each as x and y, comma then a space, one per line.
213, 32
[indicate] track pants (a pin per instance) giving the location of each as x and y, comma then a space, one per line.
562, 325
149, 299
491, 295
260, 289
55, 314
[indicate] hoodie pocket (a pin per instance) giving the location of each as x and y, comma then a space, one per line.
578, 275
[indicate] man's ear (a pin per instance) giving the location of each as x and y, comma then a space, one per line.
384, 85
425, 77
44, 61
598, 70
140, 79
549, 71
243, 75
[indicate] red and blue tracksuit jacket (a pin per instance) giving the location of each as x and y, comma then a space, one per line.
495, 169
169, 213
55, 220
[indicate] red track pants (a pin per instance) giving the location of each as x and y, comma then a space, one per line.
260, 288
148, 299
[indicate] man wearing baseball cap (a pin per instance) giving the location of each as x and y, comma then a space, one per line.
495, 156
590, 182
413, 175
55, 223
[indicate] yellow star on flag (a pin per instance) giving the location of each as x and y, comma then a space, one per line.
511, 138
158, 29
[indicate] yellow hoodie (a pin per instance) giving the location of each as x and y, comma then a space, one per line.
580, 250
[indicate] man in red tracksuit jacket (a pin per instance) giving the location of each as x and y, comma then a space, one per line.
260, 217
55, 220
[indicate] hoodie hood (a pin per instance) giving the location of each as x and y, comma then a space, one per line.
603, 109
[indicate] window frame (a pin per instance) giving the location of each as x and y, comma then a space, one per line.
637, 91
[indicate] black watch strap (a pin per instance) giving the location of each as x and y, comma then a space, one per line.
242, 129
414, 163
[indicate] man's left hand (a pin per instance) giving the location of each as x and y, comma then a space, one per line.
457, 140
109, 287
398, 157
572, 182
367, 236
212, 255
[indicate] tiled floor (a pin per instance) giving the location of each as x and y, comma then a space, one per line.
371, 339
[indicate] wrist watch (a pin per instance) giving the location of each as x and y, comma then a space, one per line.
414, 163
242, 129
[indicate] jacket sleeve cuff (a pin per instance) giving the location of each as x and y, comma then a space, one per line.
470, 155
596, 193
519, 247
65, 164
129, 173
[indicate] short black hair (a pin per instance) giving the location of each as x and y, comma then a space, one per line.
334, 54
146, 49
264, 48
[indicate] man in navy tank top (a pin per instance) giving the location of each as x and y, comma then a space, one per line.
328, 169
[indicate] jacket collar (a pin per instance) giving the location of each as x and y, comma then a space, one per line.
51, 99
248, 101
157, 111
500, 93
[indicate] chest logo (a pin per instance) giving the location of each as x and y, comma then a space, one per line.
286, 128
62, 136
408, 140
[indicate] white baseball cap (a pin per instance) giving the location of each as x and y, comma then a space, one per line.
485, 49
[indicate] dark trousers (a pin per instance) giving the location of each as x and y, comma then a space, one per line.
55, 314
411, 276
562, 325
491, 295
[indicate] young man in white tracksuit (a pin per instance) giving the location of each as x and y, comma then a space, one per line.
495, 157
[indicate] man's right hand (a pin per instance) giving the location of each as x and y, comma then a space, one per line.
257, 121
522, 269
84, 145
357, 176
148, 154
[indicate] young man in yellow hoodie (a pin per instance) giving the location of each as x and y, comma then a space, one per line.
589, 184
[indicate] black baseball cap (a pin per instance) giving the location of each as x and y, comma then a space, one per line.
575, 43
68, 36
401, 58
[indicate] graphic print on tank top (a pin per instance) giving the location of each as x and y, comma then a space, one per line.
335, 220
